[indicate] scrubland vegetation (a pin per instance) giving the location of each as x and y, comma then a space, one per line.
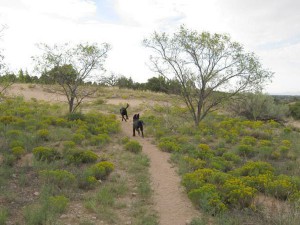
66, 164
232, 168
52, 161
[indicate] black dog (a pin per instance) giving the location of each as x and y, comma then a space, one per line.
138, 125
123, 112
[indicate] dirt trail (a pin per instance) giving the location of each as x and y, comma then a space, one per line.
171, 202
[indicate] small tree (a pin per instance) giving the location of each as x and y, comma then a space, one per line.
209, 67
157, 84
5, 79
258, 106
70, 67
111, 80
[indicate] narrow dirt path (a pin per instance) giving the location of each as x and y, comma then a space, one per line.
171, 202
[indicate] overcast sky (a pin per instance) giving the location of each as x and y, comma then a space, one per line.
269, 28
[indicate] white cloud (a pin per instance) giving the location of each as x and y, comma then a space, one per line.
70, 9
269, 28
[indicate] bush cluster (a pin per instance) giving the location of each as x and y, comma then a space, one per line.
45, 154
133, 146
80, 156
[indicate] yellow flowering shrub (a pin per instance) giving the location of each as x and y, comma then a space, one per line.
237, 194
249, 140
208, 199
203, 152
18, 151
282, 187
259, 182
58, 204
193, 164
254, 169
196, 179
46, 154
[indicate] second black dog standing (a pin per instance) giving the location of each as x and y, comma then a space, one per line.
123, 112
138, 125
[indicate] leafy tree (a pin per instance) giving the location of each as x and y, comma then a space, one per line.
157, 84
258, 106
70, 67
24, 77
295, 110
5, 81
111, 80
206, 65
124, 82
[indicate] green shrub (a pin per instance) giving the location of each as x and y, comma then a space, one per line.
168, 145
133, 146
35, 214
249, 140
194, 164
81, 156
220, 151
197, 178
9, 159
101, 170
8, 119
275, 155
99, 139
59, 178
78, 138
43, 134
218, 178
13, 133
16, 143
75, 116
124, 140
203, 152
69, 145
265, 143
220, 163
294, 197
229, 156
282, 187
286, 143
284, 150
287, 130
18, 152
62, 122
254, 169
58, 204
208, 199
245, 150
237, 194
295, 110
45, 154
87, 181
259, 182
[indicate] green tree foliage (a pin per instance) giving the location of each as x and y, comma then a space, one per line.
161, 84
71, 67
258, 106
157, 84
205, 65
295, 110
5, 79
